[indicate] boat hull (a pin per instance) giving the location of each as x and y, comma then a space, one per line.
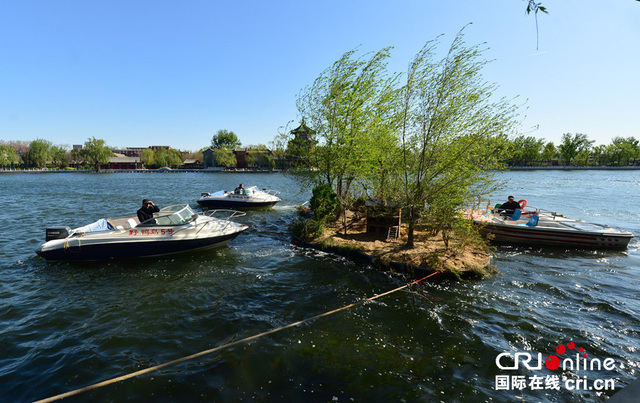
523, 235
233, 204
85, 251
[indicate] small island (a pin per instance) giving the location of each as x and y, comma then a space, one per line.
458, 260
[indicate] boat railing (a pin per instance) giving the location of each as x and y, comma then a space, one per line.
231, 213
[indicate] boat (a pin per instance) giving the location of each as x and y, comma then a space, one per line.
534, 226
248, 198
173, 229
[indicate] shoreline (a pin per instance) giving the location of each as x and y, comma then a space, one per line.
429, 254
180, 170
378, 263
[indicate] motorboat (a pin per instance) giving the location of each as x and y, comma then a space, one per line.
173, 229
534, 226
248, 198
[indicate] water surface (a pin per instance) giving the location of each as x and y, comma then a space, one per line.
65, 326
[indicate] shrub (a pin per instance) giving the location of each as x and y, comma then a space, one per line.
323, 202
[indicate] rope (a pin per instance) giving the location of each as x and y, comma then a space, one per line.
224, 346
270, 233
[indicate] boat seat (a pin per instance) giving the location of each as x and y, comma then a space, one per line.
516, 215
132, 223
533, 221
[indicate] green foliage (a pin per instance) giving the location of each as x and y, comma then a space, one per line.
224, 157
525, 150
59, 157
549, 152
350, 107
448, 129
307, 229
8, 156
573, 145
96, 152
39, 153
426, 143
161, 157
147, 157
260, 157
323, 201
225, 139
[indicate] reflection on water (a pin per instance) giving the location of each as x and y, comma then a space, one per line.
64, 326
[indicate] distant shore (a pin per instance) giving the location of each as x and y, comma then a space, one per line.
161, 170
154, 171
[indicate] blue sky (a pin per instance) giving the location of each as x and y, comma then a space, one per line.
139, 73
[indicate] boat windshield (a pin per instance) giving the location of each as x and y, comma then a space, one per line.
178, 214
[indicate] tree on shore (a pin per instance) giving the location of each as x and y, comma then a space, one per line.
39, 153
573, 145
161, 157
147, 157
448, 119
59, 156
349, 106
224, 157
423, 147
96, 152
8, 156
225, 139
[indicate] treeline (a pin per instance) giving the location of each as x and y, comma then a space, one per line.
94, 153
515, 151
574, 149
39, 153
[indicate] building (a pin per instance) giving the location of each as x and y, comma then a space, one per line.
124, 162
241, 157
300, 145
136, 151
191, 163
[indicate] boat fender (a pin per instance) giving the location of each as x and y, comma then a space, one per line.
57, 233
522, 203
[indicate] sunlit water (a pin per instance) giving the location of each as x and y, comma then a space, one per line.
66, 326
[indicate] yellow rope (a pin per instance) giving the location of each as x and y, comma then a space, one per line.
215, 349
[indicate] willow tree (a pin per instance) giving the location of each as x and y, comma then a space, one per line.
347, 106
223, 157
448, 117
8, 156
39, 153
573, 145
96, 152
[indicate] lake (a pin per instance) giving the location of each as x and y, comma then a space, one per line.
66, 326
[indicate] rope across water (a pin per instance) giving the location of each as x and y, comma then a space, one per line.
222, 347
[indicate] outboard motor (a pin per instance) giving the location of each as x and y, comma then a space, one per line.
57, 233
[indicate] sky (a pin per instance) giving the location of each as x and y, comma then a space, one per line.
141, 73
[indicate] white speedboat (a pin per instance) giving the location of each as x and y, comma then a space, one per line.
533, 226
174, 229
248, 198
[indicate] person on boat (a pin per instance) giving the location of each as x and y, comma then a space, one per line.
509, 207
239, 190
146, 211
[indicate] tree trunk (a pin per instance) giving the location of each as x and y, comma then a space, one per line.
410, 243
